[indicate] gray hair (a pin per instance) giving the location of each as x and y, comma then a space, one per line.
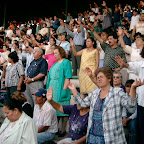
40, 50
117, 72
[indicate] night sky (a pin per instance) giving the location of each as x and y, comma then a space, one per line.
28, 9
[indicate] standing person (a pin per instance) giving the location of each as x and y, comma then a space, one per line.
78, 39
139, 27
111, 50
4, 55
51, 58
17, 127
56, 23
45, 117
106, 103
104, 36
64, 43
58, 78
89, 58
35, 75
13, 74
134, 19
138, 69
107, 20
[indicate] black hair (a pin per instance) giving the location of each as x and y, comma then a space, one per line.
12, 103
138, 33
129, 83
142, 53
113, 34
13, 56
92, 39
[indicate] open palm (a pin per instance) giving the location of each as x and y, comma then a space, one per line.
49, 94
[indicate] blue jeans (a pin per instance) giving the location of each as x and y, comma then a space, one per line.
44, 137
132, 131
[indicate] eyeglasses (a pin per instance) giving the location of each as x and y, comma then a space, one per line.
116, 77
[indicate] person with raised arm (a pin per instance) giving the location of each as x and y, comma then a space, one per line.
106, 103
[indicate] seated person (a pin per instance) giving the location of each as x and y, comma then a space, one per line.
26, 107
129, 116
3, 93
78, 120
18, 127
45, 117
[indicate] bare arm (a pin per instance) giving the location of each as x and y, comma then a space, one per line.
134, 86
133, 32
96, 35
42, 129
20, 82
55, 105
97, 60
66, 82
81, 140
91, 76
79, 53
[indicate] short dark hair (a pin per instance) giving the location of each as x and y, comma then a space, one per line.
129, 83
13, 56
61, 51
92, 39
12, 103
113, 34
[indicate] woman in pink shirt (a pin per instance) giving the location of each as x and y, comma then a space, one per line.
51, 58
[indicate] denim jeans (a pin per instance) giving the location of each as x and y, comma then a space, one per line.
44, 137
132, 131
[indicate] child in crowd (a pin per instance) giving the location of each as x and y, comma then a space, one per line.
129, 117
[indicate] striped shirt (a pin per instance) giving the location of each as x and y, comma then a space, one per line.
46, 116
110, 54
13, 74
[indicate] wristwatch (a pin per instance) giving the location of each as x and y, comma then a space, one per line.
32, 80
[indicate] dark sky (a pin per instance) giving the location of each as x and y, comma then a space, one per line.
27, 9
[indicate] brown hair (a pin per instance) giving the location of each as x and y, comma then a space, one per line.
107, 72
18, 96
61, 51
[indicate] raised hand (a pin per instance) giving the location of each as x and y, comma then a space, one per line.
138, 83
49, 94
72, 87
120, 31
88, 71
72, 43
90, 27
79, 21
120, 61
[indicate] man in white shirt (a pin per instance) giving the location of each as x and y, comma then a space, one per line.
134, 19
9, 32
44, 30
45, 117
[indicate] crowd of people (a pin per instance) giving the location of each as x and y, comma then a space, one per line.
104, 48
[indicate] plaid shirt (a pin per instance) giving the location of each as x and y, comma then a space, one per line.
112, 113
13, 74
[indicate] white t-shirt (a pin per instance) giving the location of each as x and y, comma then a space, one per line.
95, 10
134, 20
46, 116
9, 33
29, 31
92, 18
